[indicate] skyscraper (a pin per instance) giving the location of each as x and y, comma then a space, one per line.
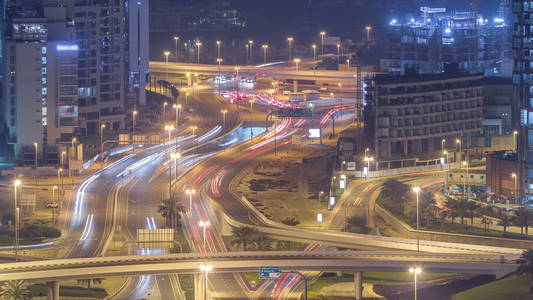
523, 80
72, 66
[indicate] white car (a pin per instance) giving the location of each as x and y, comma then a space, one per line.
52, 205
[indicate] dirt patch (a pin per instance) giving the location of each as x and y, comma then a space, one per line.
288, 185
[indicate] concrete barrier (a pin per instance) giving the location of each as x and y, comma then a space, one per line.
411, 233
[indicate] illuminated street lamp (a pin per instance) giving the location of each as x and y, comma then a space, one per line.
176, 39
204, 225
187, 97
206, 269
265, 48
251, 101
198, 44
59, 178
251, 43
177, 107
169, 128
368, 160
515, 140
224, 112
72, 142
289, 40
165, 112
416, 189
515, 177
465, 194
36, 146
458, 142
314, 51
415, 271
166, 53
338, 54
368, 29
218, 48
134, 115
190, 192
17, 222
442, 144
102, 127
322, 34
296, 61
193, 128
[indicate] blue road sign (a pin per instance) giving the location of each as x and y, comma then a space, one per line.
269, 272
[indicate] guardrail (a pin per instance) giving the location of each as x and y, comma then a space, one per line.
400, 171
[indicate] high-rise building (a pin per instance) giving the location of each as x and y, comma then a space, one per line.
70, 67
439, 37
523, 79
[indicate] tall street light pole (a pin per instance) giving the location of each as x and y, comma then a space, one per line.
198, 44
265, 48
296, 61
36, 146
415, 272
206, 269
251, 42
247, 46
190, 192
102, 127
166, 53
314, 51
134, 115
177, 107
251, 118
322, 34
515, 177
416, 189
165, 112
204, 225
289, 40
368, 29
224, 112
16, 185
176, 39
458, 142
218, 48
338, 55
72, 149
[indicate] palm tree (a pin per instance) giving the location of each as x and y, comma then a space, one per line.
171, 211
522, 220
486, 221
15, 290
472, 208
244, 236
89, 281
263, 242
356, 224
526, 266
291, 221
505, 221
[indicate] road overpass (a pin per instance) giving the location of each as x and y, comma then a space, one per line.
250, 71
93, 267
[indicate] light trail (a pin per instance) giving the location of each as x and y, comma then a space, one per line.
87, 228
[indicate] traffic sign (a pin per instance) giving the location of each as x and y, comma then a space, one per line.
269, 272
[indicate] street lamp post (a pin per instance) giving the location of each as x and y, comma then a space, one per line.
218, 48
198, 44
224, 112
102, 127
251, 101
59, 178
206, 269
415, 272
442, 143
165, 112
72, 142
190, 192
265, 48
296, 61
368, 29
187, 98
322, 34
314, 51
465, 194
289, 40
515, 140
193, 128
251, 42
169, 128
176, 39
177, 107
134, 115
36, 146
204, 225
247, 46
338, 55
515, 177
166, 53
63, 155
16, 185
458, 142
416, 189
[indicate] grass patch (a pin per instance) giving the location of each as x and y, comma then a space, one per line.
180, 237
253, 276
514, 287
326, 279
392, 278
187, 285
69, 291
